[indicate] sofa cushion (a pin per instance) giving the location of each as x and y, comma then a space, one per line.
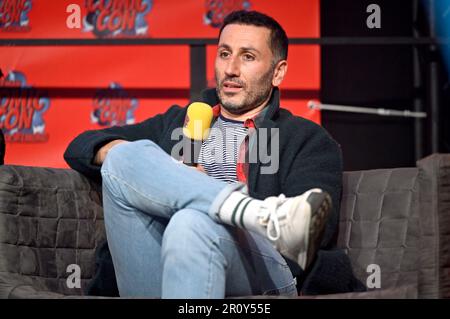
379, 225
49, 219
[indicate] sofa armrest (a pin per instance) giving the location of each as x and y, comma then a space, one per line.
49, 219
434, 183
379, 224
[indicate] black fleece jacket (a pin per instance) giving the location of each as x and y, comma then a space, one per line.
308, 158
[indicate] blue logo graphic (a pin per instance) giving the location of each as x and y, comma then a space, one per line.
217, 10
14, 15
22, 113
113, 18
113, 106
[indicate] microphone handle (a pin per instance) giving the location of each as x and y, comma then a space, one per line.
191, 151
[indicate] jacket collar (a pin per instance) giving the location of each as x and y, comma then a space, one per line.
263, 119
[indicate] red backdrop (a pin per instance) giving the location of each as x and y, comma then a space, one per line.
38, 128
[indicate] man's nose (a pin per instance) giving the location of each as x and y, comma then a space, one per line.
233, 67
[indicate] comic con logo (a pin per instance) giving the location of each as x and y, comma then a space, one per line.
14, 15
111, 18
113, 106
217, 10
21, 110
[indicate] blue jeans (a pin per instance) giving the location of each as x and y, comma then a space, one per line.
165, 238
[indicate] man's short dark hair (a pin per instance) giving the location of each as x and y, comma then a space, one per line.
278, 38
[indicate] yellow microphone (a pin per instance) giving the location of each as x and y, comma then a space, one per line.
195, 130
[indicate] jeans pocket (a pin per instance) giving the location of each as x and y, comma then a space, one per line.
288, 290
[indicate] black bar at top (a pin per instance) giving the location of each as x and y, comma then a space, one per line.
192, 41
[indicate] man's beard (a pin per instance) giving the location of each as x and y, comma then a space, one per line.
252, 99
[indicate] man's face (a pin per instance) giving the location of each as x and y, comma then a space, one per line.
244, 67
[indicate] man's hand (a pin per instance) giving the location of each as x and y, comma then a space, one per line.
103, 151
197, 167
200, 168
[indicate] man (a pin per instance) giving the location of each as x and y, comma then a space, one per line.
226, 229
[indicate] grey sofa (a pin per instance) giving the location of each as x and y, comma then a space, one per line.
394, 223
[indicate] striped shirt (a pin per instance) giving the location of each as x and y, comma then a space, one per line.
219, 152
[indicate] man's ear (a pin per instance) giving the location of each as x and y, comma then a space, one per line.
279, 73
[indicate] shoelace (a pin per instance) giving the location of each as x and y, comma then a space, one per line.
268, 215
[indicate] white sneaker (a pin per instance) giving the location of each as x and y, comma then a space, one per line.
295, 225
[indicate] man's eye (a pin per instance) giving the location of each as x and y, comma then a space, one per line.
224, 54
249, 57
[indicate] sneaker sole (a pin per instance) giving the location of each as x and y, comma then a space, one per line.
320, 203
